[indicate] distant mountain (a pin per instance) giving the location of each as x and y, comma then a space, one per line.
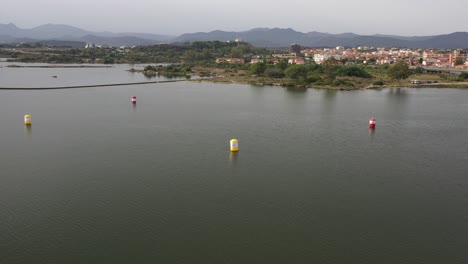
210, 36
53, 31
347, 35
263, 37
270, 37
450, 41
277, 37
371, 41
62, 43
10, 33
118, 41
5, 39
157, 37
9, 30
412, 38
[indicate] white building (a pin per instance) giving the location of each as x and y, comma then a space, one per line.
90, 45
320, 57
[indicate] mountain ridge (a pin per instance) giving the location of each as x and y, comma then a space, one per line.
265, 37
10, 33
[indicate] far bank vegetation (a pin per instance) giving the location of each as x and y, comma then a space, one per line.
199, 58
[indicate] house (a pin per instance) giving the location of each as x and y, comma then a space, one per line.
296, 61
320, 57
230, 60
253, 61
308, 52
422, 81
458, 57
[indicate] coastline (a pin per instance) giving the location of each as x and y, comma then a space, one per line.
220, 76
463, 85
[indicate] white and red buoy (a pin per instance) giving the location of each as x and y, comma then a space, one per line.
133, 99
372, 122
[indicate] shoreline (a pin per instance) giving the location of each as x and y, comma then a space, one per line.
223, 81
341, 88
242, 77
219, 75
87, 86
58, 66
286, 83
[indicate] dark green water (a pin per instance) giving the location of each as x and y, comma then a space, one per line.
98, 180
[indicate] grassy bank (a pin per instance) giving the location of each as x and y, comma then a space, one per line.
246, 77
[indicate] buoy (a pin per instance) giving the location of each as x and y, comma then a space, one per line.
372, 123
27, 120
234, 143
134, 99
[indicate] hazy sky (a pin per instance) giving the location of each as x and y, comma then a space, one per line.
403, 17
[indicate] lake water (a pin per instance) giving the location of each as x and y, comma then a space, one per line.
96, 179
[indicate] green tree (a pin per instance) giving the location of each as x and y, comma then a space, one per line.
313, 67
150, 68
296, 71
464, 75
419, 70
399, 71
206, 54
330, 67
189, 56
237, 52
282, 64
274, 73
459, 61
258, 68
352, 71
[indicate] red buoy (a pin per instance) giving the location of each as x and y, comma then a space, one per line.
134, 99
372, 123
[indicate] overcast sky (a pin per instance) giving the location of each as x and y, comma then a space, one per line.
398, 17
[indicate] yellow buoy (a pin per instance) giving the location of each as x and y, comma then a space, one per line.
234, 145
27, 119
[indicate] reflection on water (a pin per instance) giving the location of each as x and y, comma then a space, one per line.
328, 103
28, 131
233, 159
297, 90
397, 96
257, 91
151, 76
371, 133
71, 75
310, 183
397, 102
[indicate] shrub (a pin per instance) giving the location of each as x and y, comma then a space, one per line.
353, 71
464, 75
258, 68
274, 73
296, 71
419, 70
324, 82
313, 77
150, 68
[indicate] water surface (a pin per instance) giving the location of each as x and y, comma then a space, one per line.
96, 179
